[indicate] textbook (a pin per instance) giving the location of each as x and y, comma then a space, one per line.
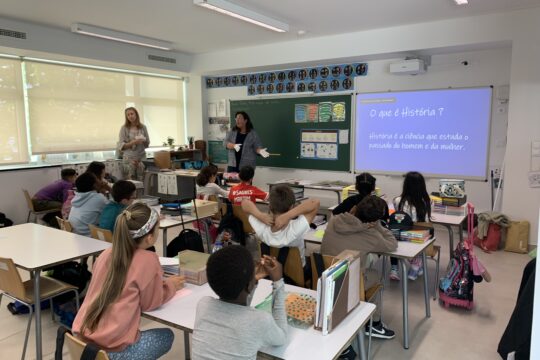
415, 236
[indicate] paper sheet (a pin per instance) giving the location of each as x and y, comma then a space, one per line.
162, 183
212, 109
164, 261
319, 234
172, 186
222, 107
344, 136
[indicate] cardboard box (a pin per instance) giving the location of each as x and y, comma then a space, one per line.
193, 266
205, 208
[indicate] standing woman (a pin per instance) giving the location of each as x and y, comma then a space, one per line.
243, 144
133, 140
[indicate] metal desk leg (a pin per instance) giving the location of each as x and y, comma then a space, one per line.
208, 240
426, 286
361, 344
37, 310
338, 197
405, 295
165, 242
369, 336
383, 282
450, 239
187, 352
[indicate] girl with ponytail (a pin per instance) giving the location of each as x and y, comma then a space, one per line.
126, 280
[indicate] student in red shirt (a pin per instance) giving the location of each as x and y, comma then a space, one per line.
244, 190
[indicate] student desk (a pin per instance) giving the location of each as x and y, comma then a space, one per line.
174, 221
448, 221
312, 235
303, 344
308, 184
406, 251
34, 247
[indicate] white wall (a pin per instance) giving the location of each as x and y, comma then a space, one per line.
488, 67
520, 29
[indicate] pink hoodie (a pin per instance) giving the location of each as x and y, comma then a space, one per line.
144, 290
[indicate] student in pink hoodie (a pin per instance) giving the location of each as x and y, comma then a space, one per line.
127, 279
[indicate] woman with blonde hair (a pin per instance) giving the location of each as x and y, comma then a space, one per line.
133, 140
127, 279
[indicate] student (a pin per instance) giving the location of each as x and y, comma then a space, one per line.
86, 205
228, 328
245, 190
286, 224
364, 232
123, 194
98, 169
365, 185
415, 201
206, 183
54, 195
127, 280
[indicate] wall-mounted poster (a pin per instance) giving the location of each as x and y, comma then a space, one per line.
307, 150
312, 112
218, 128
300, 113
338, 111
325, 111
326, 151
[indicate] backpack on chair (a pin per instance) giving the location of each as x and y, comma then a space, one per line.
232, 225
188, 239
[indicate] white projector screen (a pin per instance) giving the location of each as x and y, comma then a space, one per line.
440, 133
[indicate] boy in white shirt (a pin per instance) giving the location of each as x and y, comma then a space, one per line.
286, 224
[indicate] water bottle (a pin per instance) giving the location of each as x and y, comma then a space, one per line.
218, 245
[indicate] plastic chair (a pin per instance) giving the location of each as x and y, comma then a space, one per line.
76, 347
100, 234
32, 210
64, 224
12, 286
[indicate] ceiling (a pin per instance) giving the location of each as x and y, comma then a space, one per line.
197, 30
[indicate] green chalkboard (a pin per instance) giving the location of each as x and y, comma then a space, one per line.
302, 145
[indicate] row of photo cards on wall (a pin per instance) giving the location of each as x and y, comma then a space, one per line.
317, 79
322, 112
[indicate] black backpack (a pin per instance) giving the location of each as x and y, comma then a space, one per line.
4, 221
399, 221
233, 225
187, 240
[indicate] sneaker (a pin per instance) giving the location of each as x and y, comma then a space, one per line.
394, 274
348, 354
413, 273
379, 330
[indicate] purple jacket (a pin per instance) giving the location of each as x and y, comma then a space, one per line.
57, 191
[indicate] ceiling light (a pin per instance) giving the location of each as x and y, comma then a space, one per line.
461, 2
120, 36
242, 13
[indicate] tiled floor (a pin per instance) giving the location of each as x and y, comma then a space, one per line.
448, 334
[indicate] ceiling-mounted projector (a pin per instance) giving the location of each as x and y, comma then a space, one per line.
408, 67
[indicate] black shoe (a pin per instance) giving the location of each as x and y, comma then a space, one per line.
348, 354
12, 309
379, 330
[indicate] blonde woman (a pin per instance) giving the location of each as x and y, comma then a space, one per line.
127, 279
133, 140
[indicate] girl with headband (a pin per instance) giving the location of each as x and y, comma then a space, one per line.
127, 279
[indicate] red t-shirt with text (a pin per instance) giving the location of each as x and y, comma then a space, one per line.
242, 192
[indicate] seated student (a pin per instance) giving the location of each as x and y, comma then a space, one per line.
415, 201
228, 328
245, 190
123, 194
364, 232
365, 185
98, 169
126, 280
286, 224
206, 183
54, 195
86, 205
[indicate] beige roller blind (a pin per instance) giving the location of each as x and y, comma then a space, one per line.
13, 145
74, 109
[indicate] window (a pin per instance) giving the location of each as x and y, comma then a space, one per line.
13, 145
79, 109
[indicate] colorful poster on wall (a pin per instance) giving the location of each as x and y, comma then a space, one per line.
326, 151
325, 111
312, 112
300, 113
338, 111
217, 152
307, 150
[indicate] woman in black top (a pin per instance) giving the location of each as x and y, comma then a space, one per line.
243, 144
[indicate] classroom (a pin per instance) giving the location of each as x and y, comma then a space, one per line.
193, 73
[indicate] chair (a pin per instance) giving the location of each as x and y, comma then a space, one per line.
32, 210
12, 286
365, 294
240, 214
76, 347
100, 234
292, 265
64, 224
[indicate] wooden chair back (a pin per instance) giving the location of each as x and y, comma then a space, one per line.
76, 347
64, 224
10, 279
240, 214
100, 234
162, 159
29, 201
293, 265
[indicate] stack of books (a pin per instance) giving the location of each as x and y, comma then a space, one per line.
441, 206
170, 265
415, 236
